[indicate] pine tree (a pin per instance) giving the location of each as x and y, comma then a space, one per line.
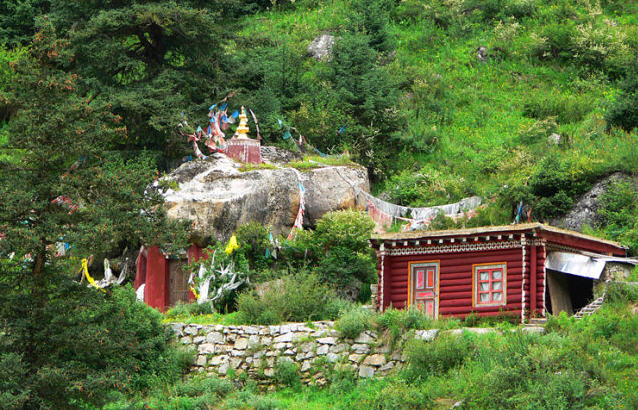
152, 60
60, 181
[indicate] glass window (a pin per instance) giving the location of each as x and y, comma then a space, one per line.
489, 285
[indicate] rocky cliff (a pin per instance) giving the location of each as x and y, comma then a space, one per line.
218, 195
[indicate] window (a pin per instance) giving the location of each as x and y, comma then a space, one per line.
490, 285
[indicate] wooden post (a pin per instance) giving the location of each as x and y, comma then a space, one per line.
532, 280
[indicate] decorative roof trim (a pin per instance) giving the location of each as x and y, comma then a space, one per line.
461, 247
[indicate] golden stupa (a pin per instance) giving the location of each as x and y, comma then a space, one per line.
242, 128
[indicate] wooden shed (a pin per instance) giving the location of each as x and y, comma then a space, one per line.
489, 270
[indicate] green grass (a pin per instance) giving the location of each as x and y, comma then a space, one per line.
466, 118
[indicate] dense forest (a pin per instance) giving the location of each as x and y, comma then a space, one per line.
517, 101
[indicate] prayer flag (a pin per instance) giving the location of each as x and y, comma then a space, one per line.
287, 135
199, 129
235, 114
281, 123
223, 107
212, 107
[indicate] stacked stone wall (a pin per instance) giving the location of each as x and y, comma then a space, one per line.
256, 350
315, 349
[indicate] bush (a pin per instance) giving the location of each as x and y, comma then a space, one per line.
286, 374
297, 298
563, 109
68, 344
436, 357
623, 112
619, 214
352, 323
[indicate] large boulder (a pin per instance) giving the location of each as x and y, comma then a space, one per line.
217, 196
321, 47
585, 211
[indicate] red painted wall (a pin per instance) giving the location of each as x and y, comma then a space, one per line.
246, 153
156, 293
455, 280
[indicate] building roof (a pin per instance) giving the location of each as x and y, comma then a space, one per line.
519, 228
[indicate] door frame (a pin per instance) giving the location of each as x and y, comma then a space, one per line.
436, 263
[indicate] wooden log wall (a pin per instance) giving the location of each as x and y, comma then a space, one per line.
455, 280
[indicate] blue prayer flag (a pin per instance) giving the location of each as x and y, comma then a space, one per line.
287, 135
235, 114
223, 107
212, 107
199, 129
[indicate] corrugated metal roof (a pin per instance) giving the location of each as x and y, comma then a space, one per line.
489, 230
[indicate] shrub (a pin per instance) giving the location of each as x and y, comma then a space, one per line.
352, 323
204, 385
623, 112
298, 298
619, 213
436, 357
254, 243
69, 344
286, 374
563, 108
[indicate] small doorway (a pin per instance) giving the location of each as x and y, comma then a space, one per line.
567, 293
178, 282
424, 287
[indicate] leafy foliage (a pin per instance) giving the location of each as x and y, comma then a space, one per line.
69, 344
46, 197
290, 299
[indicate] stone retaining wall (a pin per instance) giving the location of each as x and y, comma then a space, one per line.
314, 348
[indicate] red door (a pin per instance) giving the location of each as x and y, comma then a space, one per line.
424, 280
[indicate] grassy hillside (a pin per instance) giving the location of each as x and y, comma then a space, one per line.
589, 363
473, 127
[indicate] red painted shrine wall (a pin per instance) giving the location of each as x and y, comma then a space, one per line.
455, 280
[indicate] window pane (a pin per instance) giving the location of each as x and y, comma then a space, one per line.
497, 274
484, 297
484, 286
497, 285
498, 296
484, 275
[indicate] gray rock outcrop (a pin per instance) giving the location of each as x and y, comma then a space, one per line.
585, 212
321, 47
218, 197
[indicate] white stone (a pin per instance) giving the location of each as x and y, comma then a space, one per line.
266, 340
386, 367
191, 330
305, 366
323, 349
427, 335
253, 341
178, 329
341, 347
332, 357
280, 346
366, 371
356, 358
237, 353
235, 362
360, 349
217, 360
364, 338
186, 340
327, 340
206, 348
307, 347
375, 360
241, 344
251, 330
285, 338
285, 359
198, 339
269, 372
223, 368
215, 337
201, 360
289, 352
